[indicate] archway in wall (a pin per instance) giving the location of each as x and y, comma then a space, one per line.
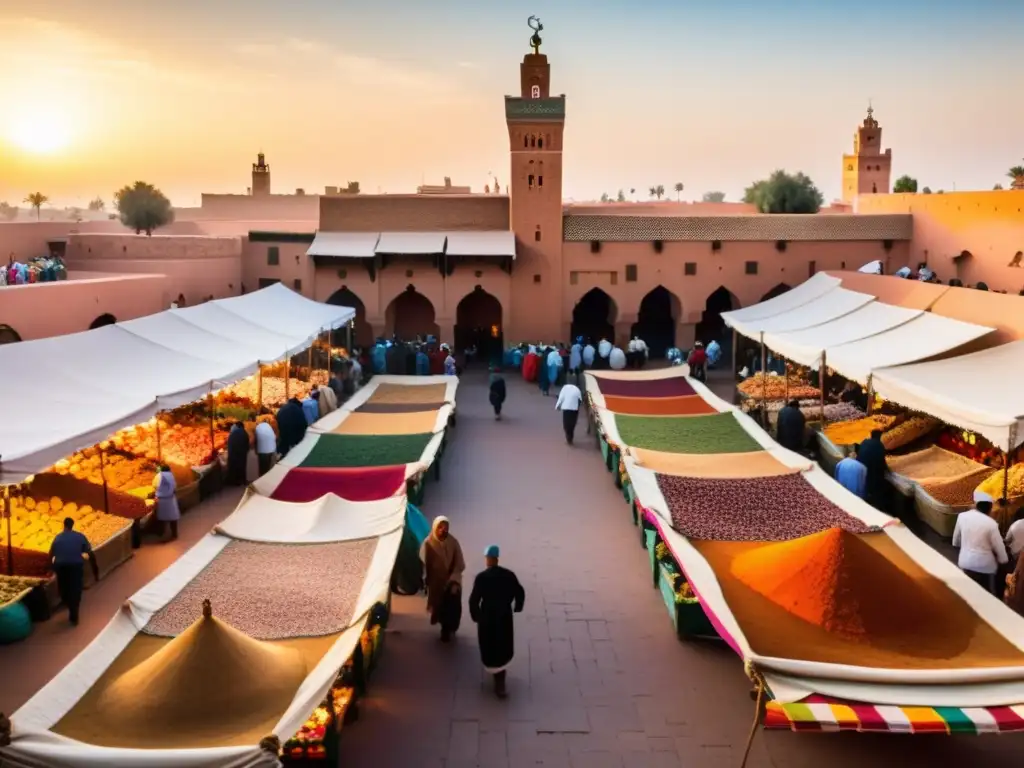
656, 321
8, 335
362, 332
711, 325
778, 290
593, 317
410, 314
102, 320
478, 323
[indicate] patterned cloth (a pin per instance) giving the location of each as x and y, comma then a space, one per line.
751, 509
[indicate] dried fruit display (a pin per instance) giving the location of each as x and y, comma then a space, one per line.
751, 509
719, 433
852, 432
993, 485
273, 389
761, 386
834, 412
123, 471
313, 591
12, 587
906, 432
182, 444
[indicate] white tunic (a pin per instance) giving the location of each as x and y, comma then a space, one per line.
617, 359
981, 546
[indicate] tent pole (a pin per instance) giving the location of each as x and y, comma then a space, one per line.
871, 392
785, 370
764, 383
103, 470
159, 446
821, 384
1008, 461
10, 524
287, 375
259, 388
213, 442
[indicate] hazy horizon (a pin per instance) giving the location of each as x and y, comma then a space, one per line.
394, 94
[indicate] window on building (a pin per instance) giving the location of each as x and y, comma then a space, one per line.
266, 282
540, 143
812, 267
297, 284
529, 180
631, 273
534, 91
690, 268
273, 256
533, 141
574, 277
536, 278
849, 167
526, 141
540, 181
536, 235
750, 267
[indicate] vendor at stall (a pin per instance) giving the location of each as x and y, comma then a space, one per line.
167, 511
311, 408
789, 432
66, 553
871, 454
291, 425
852, 475
981, 547
238, 455
266, 447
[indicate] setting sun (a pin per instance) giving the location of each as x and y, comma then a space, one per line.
41, 133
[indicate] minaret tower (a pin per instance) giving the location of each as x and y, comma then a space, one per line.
536, 122
868, 170
260, 176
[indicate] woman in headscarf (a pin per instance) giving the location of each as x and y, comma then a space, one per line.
555, 363
604, 350
497, 392
167, 512
543, 372
617, 359
449, 362
443, 565
422, 362
238, 455
576, 359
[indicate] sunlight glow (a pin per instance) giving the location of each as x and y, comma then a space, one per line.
42, 132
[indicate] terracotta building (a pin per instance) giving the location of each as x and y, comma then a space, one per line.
868, 170
526, 266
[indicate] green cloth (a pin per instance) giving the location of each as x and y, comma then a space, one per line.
719, 433
366, 450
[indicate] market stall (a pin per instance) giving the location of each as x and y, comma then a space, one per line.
392, 394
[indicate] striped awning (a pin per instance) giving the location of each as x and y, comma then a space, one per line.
344, 245
492, 243
411, 244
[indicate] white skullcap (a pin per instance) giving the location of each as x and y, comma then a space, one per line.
980, 496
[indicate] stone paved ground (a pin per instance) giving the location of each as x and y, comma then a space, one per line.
599, 680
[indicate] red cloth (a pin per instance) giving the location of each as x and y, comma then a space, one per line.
697, 357
530, 364
303, 484
676, 386
437, 358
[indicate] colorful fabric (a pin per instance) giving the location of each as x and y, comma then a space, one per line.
684, 405
398, 407
366, 450
718, 433
751, 508
303, 484
676, 386
415, 423
411, 393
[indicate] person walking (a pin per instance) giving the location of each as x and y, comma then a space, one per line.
266, 447
496, 595
543, 372
569, 399
982, 550
698, 362
66, 553
167, 511
497, 392
576, 360
443, 565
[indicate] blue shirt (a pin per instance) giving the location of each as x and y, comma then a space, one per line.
311, 410
852, 475
68, 547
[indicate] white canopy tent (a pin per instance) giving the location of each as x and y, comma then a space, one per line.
806, 346
344, 245
924, 336
121, 374
980, 392
807, 291
819, 310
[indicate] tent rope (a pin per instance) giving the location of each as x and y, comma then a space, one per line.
761, 686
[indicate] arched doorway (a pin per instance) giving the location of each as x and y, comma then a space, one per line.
8, 335
778, 290
656, 321
711, 325
102, 320
410, 314
593, 317
362, 332
478, 323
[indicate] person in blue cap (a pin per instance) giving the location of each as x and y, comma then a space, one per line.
496, 595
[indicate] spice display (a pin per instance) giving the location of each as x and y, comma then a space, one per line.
720, 465
313, 591
843, 584
771, 386
719, 433
993, 485
751, 509
906, 432
853, 432
408, 393
676, 386
684, 405
398, 407
417, 423
946, 476
13, 587
366, 450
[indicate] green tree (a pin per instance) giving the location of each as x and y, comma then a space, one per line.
1017, 174
143, 207
679, 189
926, 191
997, 188
905, 184
784, 193
97, 204
8, 212
658, 191
37, 200
713, 197
604, 197
621, 197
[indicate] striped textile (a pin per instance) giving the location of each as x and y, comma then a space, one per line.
820, 714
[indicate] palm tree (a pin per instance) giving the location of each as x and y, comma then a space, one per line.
37, 200
1017, 174
652, 191
679, 190
659, 191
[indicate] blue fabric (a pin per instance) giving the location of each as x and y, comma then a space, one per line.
68, 547
422, 364
492, 551
852, 475
517, 358
553, 374
379, 358
311, 410
417, 523
15, 623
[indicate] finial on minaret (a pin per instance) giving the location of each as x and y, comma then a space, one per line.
207, 609
871, 109
534, 23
